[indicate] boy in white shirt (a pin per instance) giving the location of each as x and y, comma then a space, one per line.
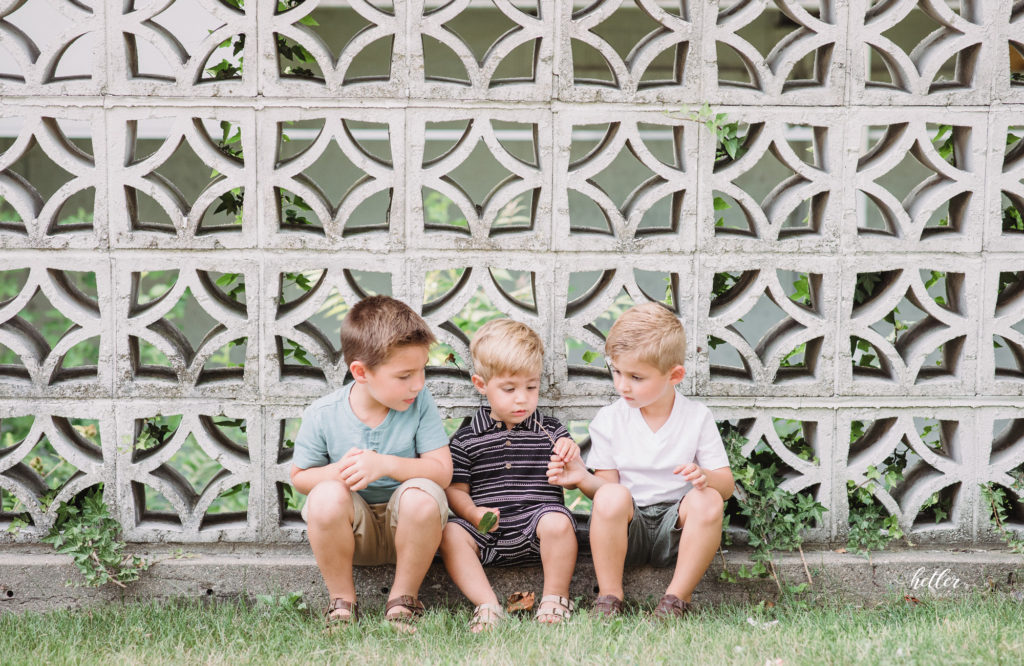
661, 474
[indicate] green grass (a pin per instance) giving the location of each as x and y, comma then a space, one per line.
971, 629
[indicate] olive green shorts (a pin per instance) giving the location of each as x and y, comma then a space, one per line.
653, 537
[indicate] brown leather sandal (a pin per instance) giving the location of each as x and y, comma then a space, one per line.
404, 622
607, 606
335, 619
672, 606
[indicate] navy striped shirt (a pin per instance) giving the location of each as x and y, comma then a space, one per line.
507, 469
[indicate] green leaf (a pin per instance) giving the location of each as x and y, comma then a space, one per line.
487, 522
590, 356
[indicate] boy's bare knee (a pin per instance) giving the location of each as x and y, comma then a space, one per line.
706, 506
554, 525
418, 507
455, 538
612, 501
329, 502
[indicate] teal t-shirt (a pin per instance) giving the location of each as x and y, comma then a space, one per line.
330, 428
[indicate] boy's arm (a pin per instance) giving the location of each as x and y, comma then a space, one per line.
305, 479
575, 475
461, 504
720, 479
361, 467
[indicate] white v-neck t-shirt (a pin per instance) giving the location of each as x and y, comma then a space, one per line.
620, 439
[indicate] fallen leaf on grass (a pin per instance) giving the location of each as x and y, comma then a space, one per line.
911, 600
520, 602
763, 625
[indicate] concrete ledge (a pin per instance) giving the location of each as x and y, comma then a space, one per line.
33, 578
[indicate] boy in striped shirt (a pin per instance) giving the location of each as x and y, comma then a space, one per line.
500, 463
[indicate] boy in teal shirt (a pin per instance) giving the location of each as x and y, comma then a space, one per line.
373, 458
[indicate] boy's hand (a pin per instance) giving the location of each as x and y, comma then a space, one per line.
694, 474
359, 468
566, 474
478, 515
566, 449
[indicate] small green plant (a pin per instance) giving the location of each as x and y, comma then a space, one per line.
292, 602
776, 518
871, 527
86, 531
997, 502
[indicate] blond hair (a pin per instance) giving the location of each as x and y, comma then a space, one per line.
506, 347
378, 325
650, 332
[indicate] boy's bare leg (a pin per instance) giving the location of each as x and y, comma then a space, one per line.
609, 523
557, 554
462, 560
416, 540
329, 526
700, 515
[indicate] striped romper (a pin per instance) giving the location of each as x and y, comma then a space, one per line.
507, 470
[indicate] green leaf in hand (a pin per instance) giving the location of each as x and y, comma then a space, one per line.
487, 523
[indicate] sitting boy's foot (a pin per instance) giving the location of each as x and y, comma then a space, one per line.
341, 611
486, 617
403, 612
672, 606
554, 608
607, 606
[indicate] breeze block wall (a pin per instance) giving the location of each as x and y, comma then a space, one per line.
195, 191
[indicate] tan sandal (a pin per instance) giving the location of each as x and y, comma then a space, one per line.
486, 617
336, 608
560, 609
404, 622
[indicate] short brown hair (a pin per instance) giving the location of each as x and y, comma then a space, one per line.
376, 326
506, 347
652, 333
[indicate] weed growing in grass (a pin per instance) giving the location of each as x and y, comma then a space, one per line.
86, 531
776, 518
995, 499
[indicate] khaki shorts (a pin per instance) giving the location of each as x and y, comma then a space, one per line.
373, 525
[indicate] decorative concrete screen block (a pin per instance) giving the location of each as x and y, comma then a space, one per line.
788, 49
56, 326
185, 48
52, 46
334, 48
627, 181
944, 59
52, 170
482, 179
189, 476
629, 50
52, 450
194, 193
508, 57
183, 178
784, 186
187, 326
332, 182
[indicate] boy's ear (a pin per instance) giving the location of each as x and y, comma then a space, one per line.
677, 374
480, 384
358, 370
